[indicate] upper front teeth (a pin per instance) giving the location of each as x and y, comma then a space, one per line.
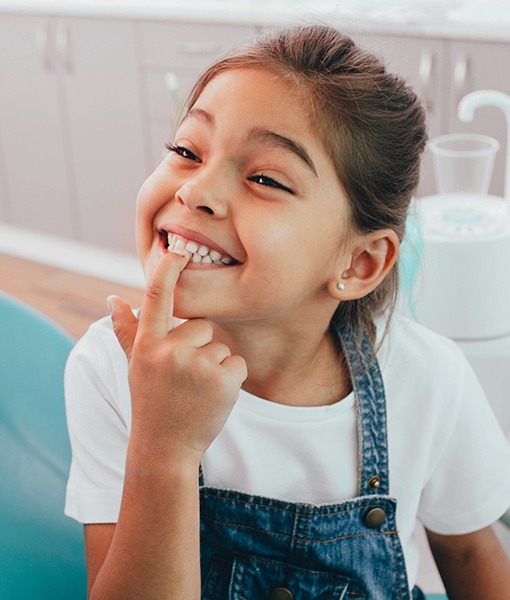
201, 253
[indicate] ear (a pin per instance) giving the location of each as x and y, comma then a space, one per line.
371, 260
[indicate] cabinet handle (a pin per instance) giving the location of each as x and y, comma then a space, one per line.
460, 75
64, 47
425, 70
198, 47
44, 45
173, 86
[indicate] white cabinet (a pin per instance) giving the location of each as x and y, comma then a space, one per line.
174, 54
105, 128
5, 207
442, 72
31, 125
71, 126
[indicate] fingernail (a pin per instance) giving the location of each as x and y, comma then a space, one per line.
179, 251
109, 303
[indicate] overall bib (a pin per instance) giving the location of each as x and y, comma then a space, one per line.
256, 548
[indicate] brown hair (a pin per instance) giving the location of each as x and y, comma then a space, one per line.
370, 123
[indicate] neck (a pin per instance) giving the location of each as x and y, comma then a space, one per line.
300, 366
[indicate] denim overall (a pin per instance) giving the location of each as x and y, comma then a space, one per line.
256, 548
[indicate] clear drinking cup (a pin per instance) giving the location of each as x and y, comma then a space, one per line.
463, 162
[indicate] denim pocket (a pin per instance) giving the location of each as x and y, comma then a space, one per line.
216, 581
258, 579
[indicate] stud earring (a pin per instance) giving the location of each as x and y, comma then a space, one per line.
341, 286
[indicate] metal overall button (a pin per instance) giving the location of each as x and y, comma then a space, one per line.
374, 517
281, 593
374, 483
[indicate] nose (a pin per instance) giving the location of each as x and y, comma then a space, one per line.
199, 194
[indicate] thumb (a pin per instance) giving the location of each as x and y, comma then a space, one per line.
125, 324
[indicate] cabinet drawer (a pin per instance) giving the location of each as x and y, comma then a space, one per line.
190, 45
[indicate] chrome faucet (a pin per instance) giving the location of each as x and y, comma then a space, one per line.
466, 112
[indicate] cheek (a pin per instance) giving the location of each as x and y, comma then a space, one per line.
147, 200
151, 198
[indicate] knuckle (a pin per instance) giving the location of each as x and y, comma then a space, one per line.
154, 290
201, 327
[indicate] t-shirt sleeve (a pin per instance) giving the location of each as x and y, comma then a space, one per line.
469, 484
98, 426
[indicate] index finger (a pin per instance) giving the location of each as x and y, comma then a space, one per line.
158, 302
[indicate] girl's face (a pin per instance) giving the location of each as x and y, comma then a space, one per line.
248, 185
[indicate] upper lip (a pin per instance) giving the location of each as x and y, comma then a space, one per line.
195, 236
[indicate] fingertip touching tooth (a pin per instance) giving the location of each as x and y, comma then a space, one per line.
179, 251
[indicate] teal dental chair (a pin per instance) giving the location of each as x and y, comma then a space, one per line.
41, 550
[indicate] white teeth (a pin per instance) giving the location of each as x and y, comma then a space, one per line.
200, 253
191, 247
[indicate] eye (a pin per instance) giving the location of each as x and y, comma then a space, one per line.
182, 151
269, 182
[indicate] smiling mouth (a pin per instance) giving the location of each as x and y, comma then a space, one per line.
200, 253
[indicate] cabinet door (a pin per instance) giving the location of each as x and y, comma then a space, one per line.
476, 66
421, 62
31, 110
174, 55
100, 64
5, 207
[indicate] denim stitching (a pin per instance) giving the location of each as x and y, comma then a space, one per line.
336, 512
311, 540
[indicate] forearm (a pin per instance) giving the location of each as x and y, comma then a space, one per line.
472, 566
155, 551
183, 386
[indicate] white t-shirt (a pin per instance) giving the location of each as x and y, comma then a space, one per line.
449, 460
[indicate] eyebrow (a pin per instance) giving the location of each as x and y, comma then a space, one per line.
202, 115
280, 141
260, 134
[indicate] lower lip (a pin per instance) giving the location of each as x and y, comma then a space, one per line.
202, 266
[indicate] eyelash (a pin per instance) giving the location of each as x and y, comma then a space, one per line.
260, 178
182, 151
264, 180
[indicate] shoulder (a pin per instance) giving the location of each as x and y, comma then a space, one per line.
429, 357
97, 362
98, 344
430, 389
442, 433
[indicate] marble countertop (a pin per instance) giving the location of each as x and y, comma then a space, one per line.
455, 19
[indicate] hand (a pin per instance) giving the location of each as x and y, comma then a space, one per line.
183, 384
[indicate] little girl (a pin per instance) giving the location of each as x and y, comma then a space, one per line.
261, 428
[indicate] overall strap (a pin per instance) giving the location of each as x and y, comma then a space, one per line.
368, 389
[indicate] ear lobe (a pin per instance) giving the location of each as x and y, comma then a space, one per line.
371, 262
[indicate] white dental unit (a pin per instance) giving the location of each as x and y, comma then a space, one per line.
462, 289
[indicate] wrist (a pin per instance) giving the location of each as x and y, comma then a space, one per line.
162, 458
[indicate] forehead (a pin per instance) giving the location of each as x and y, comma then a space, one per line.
259, 98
